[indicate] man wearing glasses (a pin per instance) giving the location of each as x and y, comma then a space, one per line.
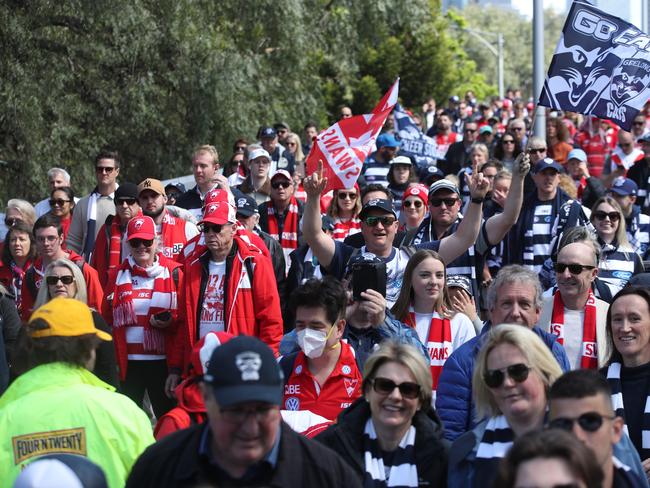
458, 153
91, 211
580, 403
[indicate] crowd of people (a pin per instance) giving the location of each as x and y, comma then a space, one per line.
479, 320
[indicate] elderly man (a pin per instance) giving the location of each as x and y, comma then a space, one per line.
56, 178
573, 313
172, 232
91, 211
205, 163
514, 297
244, 441
258, 183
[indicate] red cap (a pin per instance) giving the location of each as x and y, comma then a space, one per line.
215, 196
141, 227
202, 350
219, 212
419, 191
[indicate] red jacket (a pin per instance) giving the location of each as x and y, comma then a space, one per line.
34, 278
174, 236
190, 410
173, 347
250, 308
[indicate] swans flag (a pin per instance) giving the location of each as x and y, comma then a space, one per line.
344, 146
601, 67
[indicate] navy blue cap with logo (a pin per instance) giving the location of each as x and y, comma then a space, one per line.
546, 163
624, 186
246, 205
268, 132
377, 203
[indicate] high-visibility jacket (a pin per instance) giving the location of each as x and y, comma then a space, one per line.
60, 408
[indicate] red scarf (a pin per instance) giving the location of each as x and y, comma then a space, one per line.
164, 299
343, 229
589, 358
18, 275
438, 343
115, 244
289, 238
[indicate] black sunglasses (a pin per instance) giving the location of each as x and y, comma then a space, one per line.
613, 216
535, 150
104, 169
278, 184
347, 195
470, 131
128, 201
57, 201
508, 141
384, 386
386, 221
216, 228
589, 422
53, 280
414, 203
494, 378
141, 242
11, 221
574, 269
449, 202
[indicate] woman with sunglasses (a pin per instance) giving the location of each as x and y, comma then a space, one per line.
513, 372
507, 150
142, 307
344, 208
618, 261
414, 206
628, 370
63, 278
19, 211
400, 175
423, 304
61, 204
18, 254
392, 436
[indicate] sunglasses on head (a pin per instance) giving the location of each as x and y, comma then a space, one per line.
141, 242
413, 203
11, 221
128, 201
384, 386
57, 202
600, 215
589, 422
53, 280
216, 228
494, 378
574, 269
104, 169
277, 184
449, 202
386, 221
343, 195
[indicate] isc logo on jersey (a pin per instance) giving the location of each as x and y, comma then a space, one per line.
439, 352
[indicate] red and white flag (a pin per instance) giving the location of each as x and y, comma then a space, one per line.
344, 146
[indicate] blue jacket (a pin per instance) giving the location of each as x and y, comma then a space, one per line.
454, 398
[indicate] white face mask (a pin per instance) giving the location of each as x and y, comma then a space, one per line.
312, 342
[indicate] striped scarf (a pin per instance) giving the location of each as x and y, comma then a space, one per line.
438, 343
289, 238
115, 244
342, 228
18, 274
614, 380
398, 470
589, 358
163, 299
495, 443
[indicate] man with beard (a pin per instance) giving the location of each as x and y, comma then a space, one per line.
172, 232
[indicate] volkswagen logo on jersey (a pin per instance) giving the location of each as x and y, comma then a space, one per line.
292, 403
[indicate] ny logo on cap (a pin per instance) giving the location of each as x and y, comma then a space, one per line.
249, 363
146, 184
138, 223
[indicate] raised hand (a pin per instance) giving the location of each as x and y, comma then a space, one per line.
314, 184
478, 184
522, 165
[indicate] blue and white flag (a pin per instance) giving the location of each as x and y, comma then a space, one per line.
419, 147
601, 67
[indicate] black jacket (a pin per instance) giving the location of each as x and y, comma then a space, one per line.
190, 199
346, 438
175, 462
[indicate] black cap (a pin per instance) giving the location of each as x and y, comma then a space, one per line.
363, 258
378, 203
178, 185
244, 369
267, 132
126, 190
246, 205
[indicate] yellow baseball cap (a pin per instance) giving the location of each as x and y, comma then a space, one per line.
66, 317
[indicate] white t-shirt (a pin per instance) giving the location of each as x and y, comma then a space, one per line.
394, 275
212, 311
573, 328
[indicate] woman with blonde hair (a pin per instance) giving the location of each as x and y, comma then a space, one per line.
511, 378
63, 278
423, 305
392, 436
19, 211
344, 208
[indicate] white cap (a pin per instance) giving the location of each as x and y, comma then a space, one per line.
258, 153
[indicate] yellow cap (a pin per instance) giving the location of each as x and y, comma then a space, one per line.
66, 317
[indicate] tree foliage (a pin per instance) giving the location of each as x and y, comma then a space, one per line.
153, 79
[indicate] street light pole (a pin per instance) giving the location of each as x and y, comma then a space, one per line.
539, 124
496, 52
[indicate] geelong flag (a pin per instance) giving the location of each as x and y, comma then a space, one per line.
344, 146
601, 67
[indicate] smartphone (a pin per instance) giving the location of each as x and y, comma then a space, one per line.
368, 276
163, 316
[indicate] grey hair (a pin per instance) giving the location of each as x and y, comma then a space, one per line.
584, 235
537, 141
514, 273
58, 171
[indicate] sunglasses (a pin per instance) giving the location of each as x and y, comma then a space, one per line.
104, 169
384, 386
494, 378
11, 221
386, 221
57, 202
517, 128
347, 195
413, 203
589, 422
638, 123
128, 201
613, 216
574, 269
508, 141
449, 202
470, 131
53, 280
216, 228
536, 150
283, 184
141, 242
